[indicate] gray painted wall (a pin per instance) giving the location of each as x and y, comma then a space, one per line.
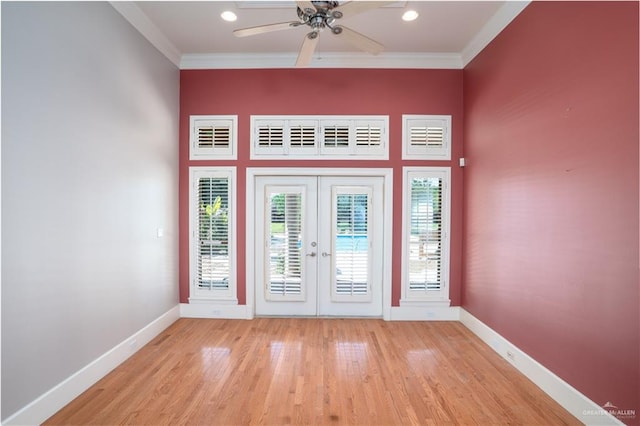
89, 173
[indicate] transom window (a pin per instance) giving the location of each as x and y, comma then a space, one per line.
213, 137
426, 137
312, 137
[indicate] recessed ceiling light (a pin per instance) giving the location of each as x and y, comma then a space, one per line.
228, 15
410, 15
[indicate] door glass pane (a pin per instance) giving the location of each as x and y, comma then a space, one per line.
351, 245
285, 249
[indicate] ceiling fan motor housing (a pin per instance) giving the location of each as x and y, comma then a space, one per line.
321, 17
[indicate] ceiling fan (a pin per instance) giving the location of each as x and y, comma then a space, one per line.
319, 15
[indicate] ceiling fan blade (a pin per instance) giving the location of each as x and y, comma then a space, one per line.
261, 29
305, 5
354, 7
360, 41
307, 49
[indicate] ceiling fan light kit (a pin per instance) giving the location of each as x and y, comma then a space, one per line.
228, 16
319, 15
410, 15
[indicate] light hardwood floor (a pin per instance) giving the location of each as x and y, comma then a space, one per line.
314, 371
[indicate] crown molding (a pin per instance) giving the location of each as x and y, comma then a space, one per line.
448, 60
148, 29
498, 22
322, 60
290, 4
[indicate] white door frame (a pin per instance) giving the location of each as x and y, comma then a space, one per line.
385, 173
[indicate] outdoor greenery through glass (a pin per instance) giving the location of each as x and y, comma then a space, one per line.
213, 233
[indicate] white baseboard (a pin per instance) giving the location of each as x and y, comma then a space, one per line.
213, 310
396, 313
564, 394
53, 400
56, 398
421, 313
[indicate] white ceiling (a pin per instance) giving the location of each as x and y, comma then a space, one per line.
447, 34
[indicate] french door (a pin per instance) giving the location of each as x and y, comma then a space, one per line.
319, 244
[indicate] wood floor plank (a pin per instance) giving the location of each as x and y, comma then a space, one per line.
305, 371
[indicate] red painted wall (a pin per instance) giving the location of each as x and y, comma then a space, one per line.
323, 92
551, 193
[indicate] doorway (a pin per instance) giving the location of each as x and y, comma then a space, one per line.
319, 245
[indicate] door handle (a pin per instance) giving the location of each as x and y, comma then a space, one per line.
325, 254
312, 254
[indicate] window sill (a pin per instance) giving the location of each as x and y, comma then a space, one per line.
434, 303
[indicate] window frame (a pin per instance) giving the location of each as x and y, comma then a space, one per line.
431, 298
350, 151
426, 152
198, 153
196, 294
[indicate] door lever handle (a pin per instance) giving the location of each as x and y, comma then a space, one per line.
312, 254
325, 254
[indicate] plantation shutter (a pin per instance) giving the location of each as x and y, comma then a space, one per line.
335, 136
426, 234
311, 137
212, 230
351, 235
213, 265
427, 137
285, 276
212, 137
270, 136
302, 137
369, 136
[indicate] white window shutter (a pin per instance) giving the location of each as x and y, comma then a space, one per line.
426, 225
426, 137
285, 282
213, 137
352, 232
318, 137
268, 136
335, 137
370, 136
212, 234
425, 235
302, 137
